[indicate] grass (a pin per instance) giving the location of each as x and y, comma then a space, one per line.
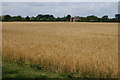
16, 70
85, 49
19, 70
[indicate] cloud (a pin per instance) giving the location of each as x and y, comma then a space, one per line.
60, 0
60, 8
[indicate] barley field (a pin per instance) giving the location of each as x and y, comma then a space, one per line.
85, 49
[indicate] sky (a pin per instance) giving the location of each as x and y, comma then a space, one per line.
60, 0
60, 9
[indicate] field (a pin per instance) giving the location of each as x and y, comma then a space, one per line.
81, 49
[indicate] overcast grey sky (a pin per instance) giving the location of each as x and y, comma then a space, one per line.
60, 8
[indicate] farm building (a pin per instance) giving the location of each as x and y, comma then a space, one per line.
74, 19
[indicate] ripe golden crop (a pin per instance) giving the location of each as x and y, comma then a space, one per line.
87, 49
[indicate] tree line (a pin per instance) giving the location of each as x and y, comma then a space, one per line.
66, 18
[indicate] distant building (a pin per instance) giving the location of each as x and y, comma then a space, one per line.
71, 19
74, 19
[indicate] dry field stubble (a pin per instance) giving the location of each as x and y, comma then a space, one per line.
87, 49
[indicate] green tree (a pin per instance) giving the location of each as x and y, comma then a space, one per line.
39, 17
16, 18
27, 18
1, 18
52, 18
105, 18
68, 17
6, 18
117, 16
92, 18
32, 19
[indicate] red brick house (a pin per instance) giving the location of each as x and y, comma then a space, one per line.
74, 19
